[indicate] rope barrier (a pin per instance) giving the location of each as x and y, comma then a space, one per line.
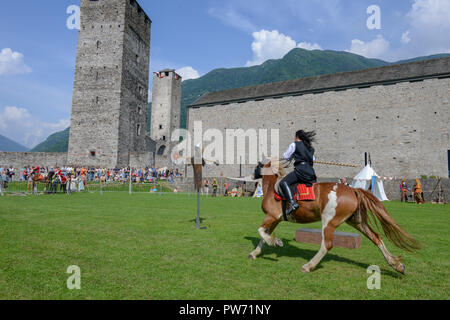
337, 164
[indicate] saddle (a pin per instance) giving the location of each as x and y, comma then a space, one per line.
300, 191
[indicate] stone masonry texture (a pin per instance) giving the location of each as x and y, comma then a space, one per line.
404, 127
166, 113
110, 95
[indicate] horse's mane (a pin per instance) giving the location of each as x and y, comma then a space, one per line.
278, 167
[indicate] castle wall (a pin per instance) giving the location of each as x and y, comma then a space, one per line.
28, 159
391, 187
403, 126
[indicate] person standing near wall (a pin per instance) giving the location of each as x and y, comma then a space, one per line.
63, 180
215, 186
30, 183
1, 182
227, 186
403, 191
206, 187
418, 192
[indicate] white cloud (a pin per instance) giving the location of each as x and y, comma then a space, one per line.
274, 45
430, 14
188, 73
429, 27
376, 48
309, 46
231, 17
21, 126
405, 37
11, 62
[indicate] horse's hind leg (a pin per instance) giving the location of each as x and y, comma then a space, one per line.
326, 245
265, 231
364, 228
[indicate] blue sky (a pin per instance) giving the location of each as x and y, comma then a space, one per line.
37, 50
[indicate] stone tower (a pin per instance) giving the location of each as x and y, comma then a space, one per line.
166, 109
109, 107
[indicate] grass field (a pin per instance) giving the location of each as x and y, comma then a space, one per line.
22, 186
146, 246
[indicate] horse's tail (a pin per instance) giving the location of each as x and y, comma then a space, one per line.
367, 201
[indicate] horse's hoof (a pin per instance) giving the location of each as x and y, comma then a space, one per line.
401, 268
306, 269
279, 243
270, 243
251, 257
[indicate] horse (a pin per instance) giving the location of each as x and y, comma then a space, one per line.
334, 204
39, 178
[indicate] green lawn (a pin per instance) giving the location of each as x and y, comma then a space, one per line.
146, 246
93, 186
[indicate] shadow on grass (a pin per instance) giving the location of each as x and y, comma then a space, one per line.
288, 250
195, 220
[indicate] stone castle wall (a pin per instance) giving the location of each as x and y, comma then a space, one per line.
59, 159
403, 126
28, 159
391, 187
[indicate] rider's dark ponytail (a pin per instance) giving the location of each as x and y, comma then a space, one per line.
306, 137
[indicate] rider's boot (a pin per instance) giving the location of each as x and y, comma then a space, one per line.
292, 204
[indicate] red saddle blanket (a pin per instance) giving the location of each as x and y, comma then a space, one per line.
302, 193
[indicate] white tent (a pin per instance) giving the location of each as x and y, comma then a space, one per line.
368, 178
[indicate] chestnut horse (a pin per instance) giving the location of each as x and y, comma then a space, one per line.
334, 205
39, 178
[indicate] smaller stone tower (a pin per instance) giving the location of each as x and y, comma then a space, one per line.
166, 110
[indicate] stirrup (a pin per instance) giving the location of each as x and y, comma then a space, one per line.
292, 208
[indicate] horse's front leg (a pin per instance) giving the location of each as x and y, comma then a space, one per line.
330, 221
257, 250
265, 232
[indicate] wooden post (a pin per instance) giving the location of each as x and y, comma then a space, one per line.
240, 168
197, 221
393, 187
431, 195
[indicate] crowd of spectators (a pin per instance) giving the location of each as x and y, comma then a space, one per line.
93, 174
76, 178
237, 191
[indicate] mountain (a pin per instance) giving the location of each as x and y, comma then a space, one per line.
435, 56
298, 63
8, 145
57, 142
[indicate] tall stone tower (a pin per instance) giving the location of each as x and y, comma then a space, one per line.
109, 107
166, 109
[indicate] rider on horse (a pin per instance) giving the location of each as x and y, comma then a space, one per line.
302, 152
36, 170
